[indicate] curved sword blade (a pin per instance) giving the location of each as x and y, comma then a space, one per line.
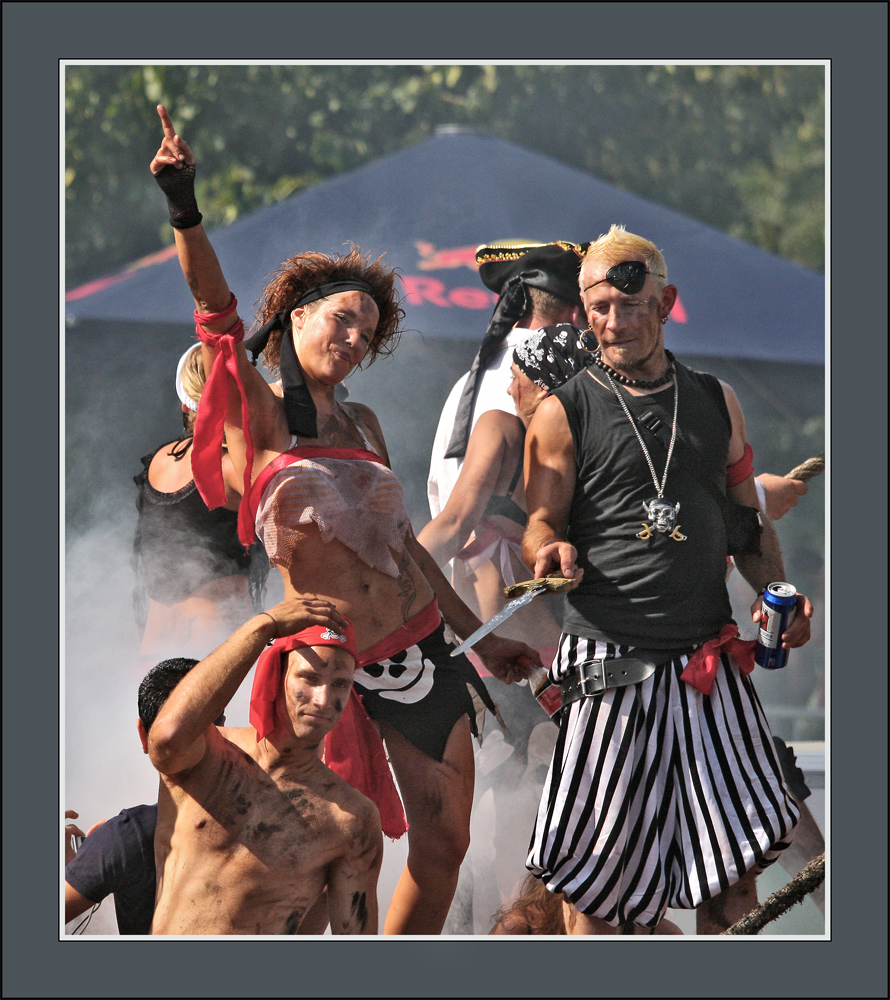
492, 623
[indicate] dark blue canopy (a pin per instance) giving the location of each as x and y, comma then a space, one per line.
430, 206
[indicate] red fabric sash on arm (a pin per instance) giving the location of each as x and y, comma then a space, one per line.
743, 468
211, 419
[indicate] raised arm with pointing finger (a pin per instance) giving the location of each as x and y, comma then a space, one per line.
174, 168
320, 493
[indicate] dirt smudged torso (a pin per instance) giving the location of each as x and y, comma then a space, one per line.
239, 852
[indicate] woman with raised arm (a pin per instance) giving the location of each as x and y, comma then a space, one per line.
318, 489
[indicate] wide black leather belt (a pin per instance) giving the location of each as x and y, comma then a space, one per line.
592, 677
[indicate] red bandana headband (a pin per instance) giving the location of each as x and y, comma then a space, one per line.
270, 666
353, 748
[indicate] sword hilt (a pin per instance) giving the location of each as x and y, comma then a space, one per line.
552, 584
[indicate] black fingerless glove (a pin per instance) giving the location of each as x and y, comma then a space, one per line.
179, 187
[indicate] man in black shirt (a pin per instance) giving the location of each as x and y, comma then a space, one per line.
118, 855
665, 789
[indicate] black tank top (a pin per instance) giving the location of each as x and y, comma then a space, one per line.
505, 505
181, 545
657, 593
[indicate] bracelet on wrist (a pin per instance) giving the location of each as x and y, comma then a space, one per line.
274, 622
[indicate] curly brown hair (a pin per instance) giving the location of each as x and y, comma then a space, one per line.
535, 910
296, 276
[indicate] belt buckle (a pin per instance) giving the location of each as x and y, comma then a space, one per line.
592, 674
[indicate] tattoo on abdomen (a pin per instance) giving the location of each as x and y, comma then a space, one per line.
406, 586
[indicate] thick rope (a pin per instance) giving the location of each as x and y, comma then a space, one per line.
806, 470
801, 885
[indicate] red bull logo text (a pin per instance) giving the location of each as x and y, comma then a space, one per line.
432, 259
422, 290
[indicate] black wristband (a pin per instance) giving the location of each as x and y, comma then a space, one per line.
179, 188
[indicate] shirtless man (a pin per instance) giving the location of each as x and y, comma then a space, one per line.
252, 828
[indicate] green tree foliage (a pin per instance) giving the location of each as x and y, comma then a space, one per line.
739, 147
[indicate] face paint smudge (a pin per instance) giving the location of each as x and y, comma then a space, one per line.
294, 920
360, 908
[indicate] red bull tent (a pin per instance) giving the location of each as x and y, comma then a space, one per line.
745, 315
430, 206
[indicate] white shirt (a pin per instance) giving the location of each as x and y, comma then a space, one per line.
492, 395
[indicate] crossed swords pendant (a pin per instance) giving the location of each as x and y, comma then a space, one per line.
662, 518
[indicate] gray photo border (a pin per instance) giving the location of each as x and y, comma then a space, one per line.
36, 37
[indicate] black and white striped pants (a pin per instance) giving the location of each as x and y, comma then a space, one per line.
658, 796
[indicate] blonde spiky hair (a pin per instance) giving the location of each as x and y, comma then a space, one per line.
618, 245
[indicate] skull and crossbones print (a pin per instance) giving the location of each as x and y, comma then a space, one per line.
406, 677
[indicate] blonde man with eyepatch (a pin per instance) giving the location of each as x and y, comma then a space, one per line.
664, 789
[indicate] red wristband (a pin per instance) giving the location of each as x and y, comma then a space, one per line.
215, 317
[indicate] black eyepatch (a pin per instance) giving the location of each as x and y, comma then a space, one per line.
629, 276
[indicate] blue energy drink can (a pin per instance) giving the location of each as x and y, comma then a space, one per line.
779, 606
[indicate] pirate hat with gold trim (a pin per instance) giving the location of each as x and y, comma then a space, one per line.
552, 267
510, 268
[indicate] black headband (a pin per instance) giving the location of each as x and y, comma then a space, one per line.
512, 305
510, 271
299, 407
335, 287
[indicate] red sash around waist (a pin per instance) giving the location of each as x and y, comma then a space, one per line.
421, 625
701, 667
